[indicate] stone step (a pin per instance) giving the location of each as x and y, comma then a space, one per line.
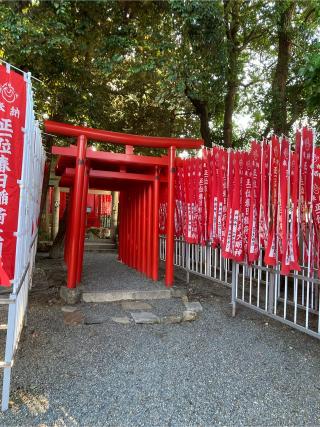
100, 246
114, 296
90, 249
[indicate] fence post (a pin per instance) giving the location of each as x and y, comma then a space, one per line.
234, 287
9, 354
208, 260
188, 263
271, 293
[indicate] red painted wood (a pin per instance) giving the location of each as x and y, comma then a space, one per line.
76, 212
155, 229
134, 231
82, 230
144, 230
120, 138
120, 226
68, 228
149, 232
69, 153
170, 219
139, 229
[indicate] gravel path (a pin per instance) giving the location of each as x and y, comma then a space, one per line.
104, 271
214, 371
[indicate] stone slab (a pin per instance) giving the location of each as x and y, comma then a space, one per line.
75, 318
114, 296
189, 316
171, 318
178, 292
144, 317
193, 306
122, 320
68, 308
135, 305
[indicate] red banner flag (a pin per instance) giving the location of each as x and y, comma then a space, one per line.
215, 186
316, 203
12, 128
285, 164
253, 246
205, 172
178, 215
264, 186
233, 246
291, 261
246, 201
304, 150
271, 250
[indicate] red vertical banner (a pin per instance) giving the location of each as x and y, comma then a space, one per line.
271, 249
178, 214
212, 201
195, 198
246, 199
291, 260
163, 209
191, 197
200, 201
232, 247
304, 145
205, 171
253, 243
283, 201
264, 192
239, 238
316, 203
12, 123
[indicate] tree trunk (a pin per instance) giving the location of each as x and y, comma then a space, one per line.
278, 115
203, 114
202, 111
232, 23
57, 247
228, 112
45, 186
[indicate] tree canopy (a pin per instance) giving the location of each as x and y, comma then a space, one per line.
223, 70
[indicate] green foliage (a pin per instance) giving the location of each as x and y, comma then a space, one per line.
148, 66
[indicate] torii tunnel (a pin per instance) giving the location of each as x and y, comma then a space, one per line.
138, 179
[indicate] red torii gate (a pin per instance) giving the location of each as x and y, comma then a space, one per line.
138, 179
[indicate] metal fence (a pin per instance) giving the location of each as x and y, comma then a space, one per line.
200, 260
293, 299
29, 205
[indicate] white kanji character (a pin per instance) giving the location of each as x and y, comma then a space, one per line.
4, 197
15, 112
3, 180
5, 146
6, 127
2, 108
3, 215
4, 164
